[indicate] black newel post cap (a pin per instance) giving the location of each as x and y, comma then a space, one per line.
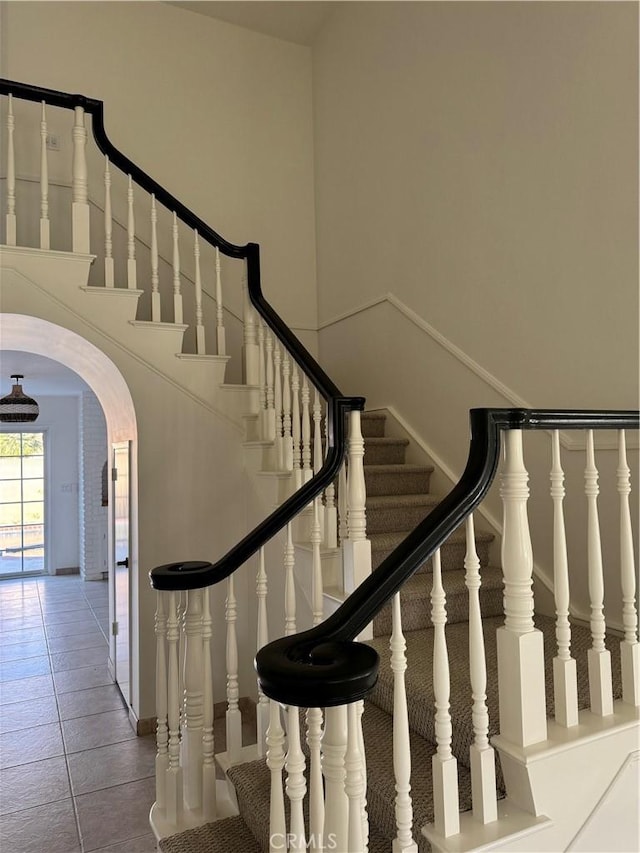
318, 675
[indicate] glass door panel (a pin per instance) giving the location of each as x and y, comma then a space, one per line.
22, 503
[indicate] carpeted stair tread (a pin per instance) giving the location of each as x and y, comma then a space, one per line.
397, 479
388, 513
372, 424
377, 729
419, 676
383, 450
230, 835
416, 602
451, 553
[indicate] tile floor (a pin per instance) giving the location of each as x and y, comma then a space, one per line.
74, 777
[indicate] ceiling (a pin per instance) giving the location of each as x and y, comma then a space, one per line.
43, 377
298, 21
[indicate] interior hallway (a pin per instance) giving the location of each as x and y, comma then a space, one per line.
74, 777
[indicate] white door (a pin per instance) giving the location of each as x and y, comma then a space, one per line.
121, 553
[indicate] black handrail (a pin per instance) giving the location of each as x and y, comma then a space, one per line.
193, 575
323, 666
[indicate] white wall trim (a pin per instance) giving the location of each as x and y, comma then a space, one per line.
568, 439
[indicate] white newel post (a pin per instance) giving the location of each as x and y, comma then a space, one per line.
250, 350
221, 339
296, 787
44, 183
155, 278
162, 730
11, 176
446, 807
521, 685
565, 685
201, 348
330, 509
334, 747
174, 788
209, 804
275, 763
262, 709
483, 762
403, 842
109, 276
192, 725
177, 295
357, 548
234, 717
342, 503
80, 203
132, 276
629, 649
598, 657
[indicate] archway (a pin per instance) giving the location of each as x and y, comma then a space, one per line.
24, 333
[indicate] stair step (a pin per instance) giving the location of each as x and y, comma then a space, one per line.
230, 834
416, 603
385, 451
419, 677
394, 513
451, 553
372, 424
397, 479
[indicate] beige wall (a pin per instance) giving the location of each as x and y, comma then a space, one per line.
218, 115
479, 161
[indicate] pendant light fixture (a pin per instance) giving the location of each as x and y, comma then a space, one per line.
16, 407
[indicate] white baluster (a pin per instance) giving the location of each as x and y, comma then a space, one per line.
251, 376
11, 176
262, 374
317, 432
192, 729
234, 717
262, 709
80, 205
316, 788
330, 510
275, 763
403, 842
289, 585
357, 548
296, 787
365, 816
287, 437
200, 342
483, 766
306, 431
155, 279
565, 685
277, 402
334, 747
109, 277
177, 293
629, 648
599, 658
316, 570
209, 804
174, 789
44, 183
295, 427
269, 426
181, 610
446, 806
132, 276
221, 340
162, 730
354, 780
523, 717
343, 531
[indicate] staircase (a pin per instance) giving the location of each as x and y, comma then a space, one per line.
461, 718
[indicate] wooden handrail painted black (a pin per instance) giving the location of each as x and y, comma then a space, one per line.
193, 575
323, 666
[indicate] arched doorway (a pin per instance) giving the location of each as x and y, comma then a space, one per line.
23, 333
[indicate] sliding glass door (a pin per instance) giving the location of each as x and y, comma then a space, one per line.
22, 504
